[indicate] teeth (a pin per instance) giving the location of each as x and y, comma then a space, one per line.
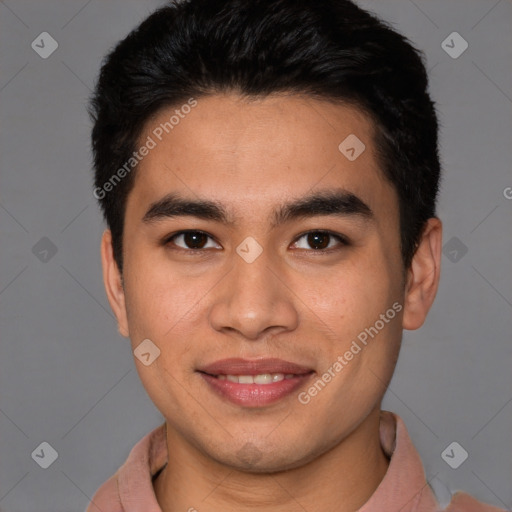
264, 378
246, 379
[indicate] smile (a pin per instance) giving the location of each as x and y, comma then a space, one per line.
253, 391
262, 378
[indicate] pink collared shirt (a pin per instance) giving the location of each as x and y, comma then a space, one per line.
403, 488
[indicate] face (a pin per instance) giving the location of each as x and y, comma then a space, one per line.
249, 234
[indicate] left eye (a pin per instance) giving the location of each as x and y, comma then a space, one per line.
320, 240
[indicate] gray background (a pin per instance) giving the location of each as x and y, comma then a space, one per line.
68, 378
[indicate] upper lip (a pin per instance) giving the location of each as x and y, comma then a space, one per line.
238, 366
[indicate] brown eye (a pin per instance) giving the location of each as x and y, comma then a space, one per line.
191, 240
194, 240
320, 241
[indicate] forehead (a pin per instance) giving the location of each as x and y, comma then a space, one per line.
247, 152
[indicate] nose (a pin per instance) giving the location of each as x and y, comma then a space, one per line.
254, 301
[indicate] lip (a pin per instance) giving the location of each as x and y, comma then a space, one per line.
254, 395
238, 366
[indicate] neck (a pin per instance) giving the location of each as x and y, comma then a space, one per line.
342, 479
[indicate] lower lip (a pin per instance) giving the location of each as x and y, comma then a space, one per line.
255, 395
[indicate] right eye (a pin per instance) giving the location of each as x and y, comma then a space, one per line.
190, 240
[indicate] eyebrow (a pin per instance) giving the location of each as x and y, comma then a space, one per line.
340, 203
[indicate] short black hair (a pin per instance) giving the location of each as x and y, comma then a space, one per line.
326, 49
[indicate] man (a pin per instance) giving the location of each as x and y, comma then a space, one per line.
268, 171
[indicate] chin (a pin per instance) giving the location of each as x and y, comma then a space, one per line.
251, 459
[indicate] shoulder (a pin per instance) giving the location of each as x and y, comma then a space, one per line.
106, 497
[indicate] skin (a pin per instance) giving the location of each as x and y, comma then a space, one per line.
291, 302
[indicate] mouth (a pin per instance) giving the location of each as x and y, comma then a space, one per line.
261, 379
254, 383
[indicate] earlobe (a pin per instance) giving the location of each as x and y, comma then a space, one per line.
113, 283
423, 276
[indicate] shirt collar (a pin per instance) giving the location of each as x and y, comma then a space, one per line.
403, 487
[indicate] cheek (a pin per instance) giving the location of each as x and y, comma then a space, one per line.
160, 301
163, 308
351, 299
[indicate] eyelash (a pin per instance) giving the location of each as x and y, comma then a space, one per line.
340, 238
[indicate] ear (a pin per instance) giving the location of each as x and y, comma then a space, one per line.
423, 275
113, 283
